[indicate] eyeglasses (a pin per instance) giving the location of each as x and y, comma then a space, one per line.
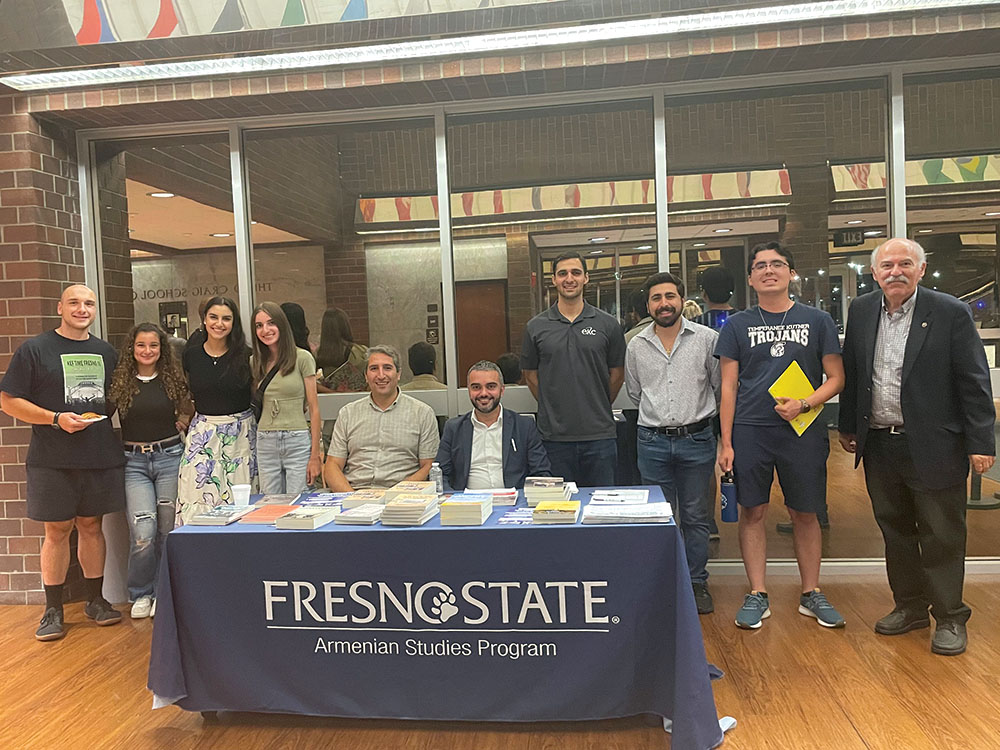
776, 265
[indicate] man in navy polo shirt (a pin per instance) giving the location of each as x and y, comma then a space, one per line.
573, 360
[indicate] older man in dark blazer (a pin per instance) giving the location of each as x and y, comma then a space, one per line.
917, 407
492, 446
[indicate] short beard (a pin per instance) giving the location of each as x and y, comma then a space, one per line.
480, 410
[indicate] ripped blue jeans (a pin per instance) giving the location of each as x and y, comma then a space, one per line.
150, 501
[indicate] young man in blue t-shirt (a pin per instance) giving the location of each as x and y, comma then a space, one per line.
755, 347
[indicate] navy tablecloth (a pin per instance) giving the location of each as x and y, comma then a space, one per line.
485, 623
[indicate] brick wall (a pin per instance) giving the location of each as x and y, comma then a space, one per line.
40, 253
954, 115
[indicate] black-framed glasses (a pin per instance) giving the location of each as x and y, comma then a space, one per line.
777, 265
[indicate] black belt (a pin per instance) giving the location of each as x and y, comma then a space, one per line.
153, 447
685, 429
896, 429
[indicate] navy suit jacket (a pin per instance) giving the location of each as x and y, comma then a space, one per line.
523, 452
946, 396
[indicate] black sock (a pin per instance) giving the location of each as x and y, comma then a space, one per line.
54, 596
94, 587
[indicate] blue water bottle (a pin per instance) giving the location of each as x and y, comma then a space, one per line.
727, 500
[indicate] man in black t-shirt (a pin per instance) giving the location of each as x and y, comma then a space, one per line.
58, 382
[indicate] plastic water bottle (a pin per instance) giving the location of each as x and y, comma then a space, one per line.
727, 499
437, 477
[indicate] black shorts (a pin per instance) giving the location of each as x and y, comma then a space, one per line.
801, 463
64, 494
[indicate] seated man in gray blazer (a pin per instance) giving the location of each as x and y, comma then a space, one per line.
490, 447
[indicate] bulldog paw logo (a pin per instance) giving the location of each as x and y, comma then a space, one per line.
443, 606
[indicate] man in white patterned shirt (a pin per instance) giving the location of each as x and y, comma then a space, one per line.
385, 437
918, 408
672, 375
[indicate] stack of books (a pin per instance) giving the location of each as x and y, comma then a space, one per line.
286, 499
410, 488
556, 511
538, 489
628, 513
308, 517
467, 509
619, 497
363, 515
221, 515
501, 496
266, 515
410, 509
364, 497
324, 500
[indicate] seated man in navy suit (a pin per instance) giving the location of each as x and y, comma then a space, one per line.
490, 447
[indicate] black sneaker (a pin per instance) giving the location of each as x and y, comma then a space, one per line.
703, 599
51, 627
101, 612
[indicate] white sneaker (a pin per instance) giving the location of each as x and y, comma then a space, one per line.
142, 608
152, 610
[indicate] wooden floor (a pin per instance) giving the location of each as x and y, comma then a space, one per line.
791, 685
853, 532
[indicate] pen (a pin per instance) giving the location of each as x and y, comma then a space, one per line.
512, 445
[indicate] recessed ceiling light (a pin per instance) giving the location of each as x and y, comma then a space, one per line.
644, 247
873, 233
221, 234
699, 244
598, 239
936, 274
924, 231
992, 213
596, 252
821, 271
722, 230
160, 194
253, 222
855, 221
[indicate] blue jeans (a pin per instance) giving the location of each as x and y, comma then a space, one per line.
682, 465
589, 463
150, 502
282, 460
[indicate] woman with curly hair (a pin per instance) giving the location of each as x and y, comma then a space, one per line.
153, 404
222, 440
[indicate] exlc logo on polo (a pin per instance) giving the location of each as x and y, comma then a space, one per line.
435, 602
589, 331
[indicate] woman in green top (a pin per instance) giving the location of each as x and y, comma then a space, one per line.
288, 448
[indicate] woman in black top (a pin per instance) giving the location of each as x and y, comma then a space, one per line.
153, 403
222, 440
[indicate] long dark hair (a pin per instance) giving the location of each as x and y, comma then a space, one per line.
335, 339
125, 385
297, 320
237, 350
286, 343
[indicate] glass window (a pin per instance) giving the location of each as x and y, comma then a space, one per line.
801, 165
528, 185
166, 226
344, 224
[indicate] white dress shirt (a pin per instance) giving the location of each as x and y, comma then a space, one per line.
486, 468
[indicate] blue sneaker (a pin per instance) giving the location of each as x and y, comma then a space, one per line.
814, 604
754, 610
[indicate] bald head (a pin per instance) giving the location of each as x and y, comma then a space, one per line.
78, 310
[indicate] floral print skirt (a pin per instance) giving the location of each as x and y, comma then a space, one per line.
220, 451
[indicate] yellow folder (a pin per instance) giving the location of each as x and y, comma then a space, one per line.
793, 383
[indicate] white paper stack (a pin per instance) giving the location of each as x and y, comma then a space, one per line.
363, 515
556, 511
466, 509
501, 495
364, 497
516, 517
619, 497
410, 488
539, 489
625, 513
410, 510
308, 517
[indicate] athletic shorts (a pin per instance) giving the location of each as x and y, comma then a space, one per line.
800, 462
64, 494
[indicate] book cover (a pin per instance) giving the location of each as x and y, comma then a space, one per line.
793, 383
267, 514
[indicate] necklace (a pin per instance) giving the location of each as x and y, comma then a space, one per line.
147, 378
761, 313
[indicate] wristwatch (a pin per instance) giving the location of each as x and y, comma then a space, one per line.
55, 420
805, 405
